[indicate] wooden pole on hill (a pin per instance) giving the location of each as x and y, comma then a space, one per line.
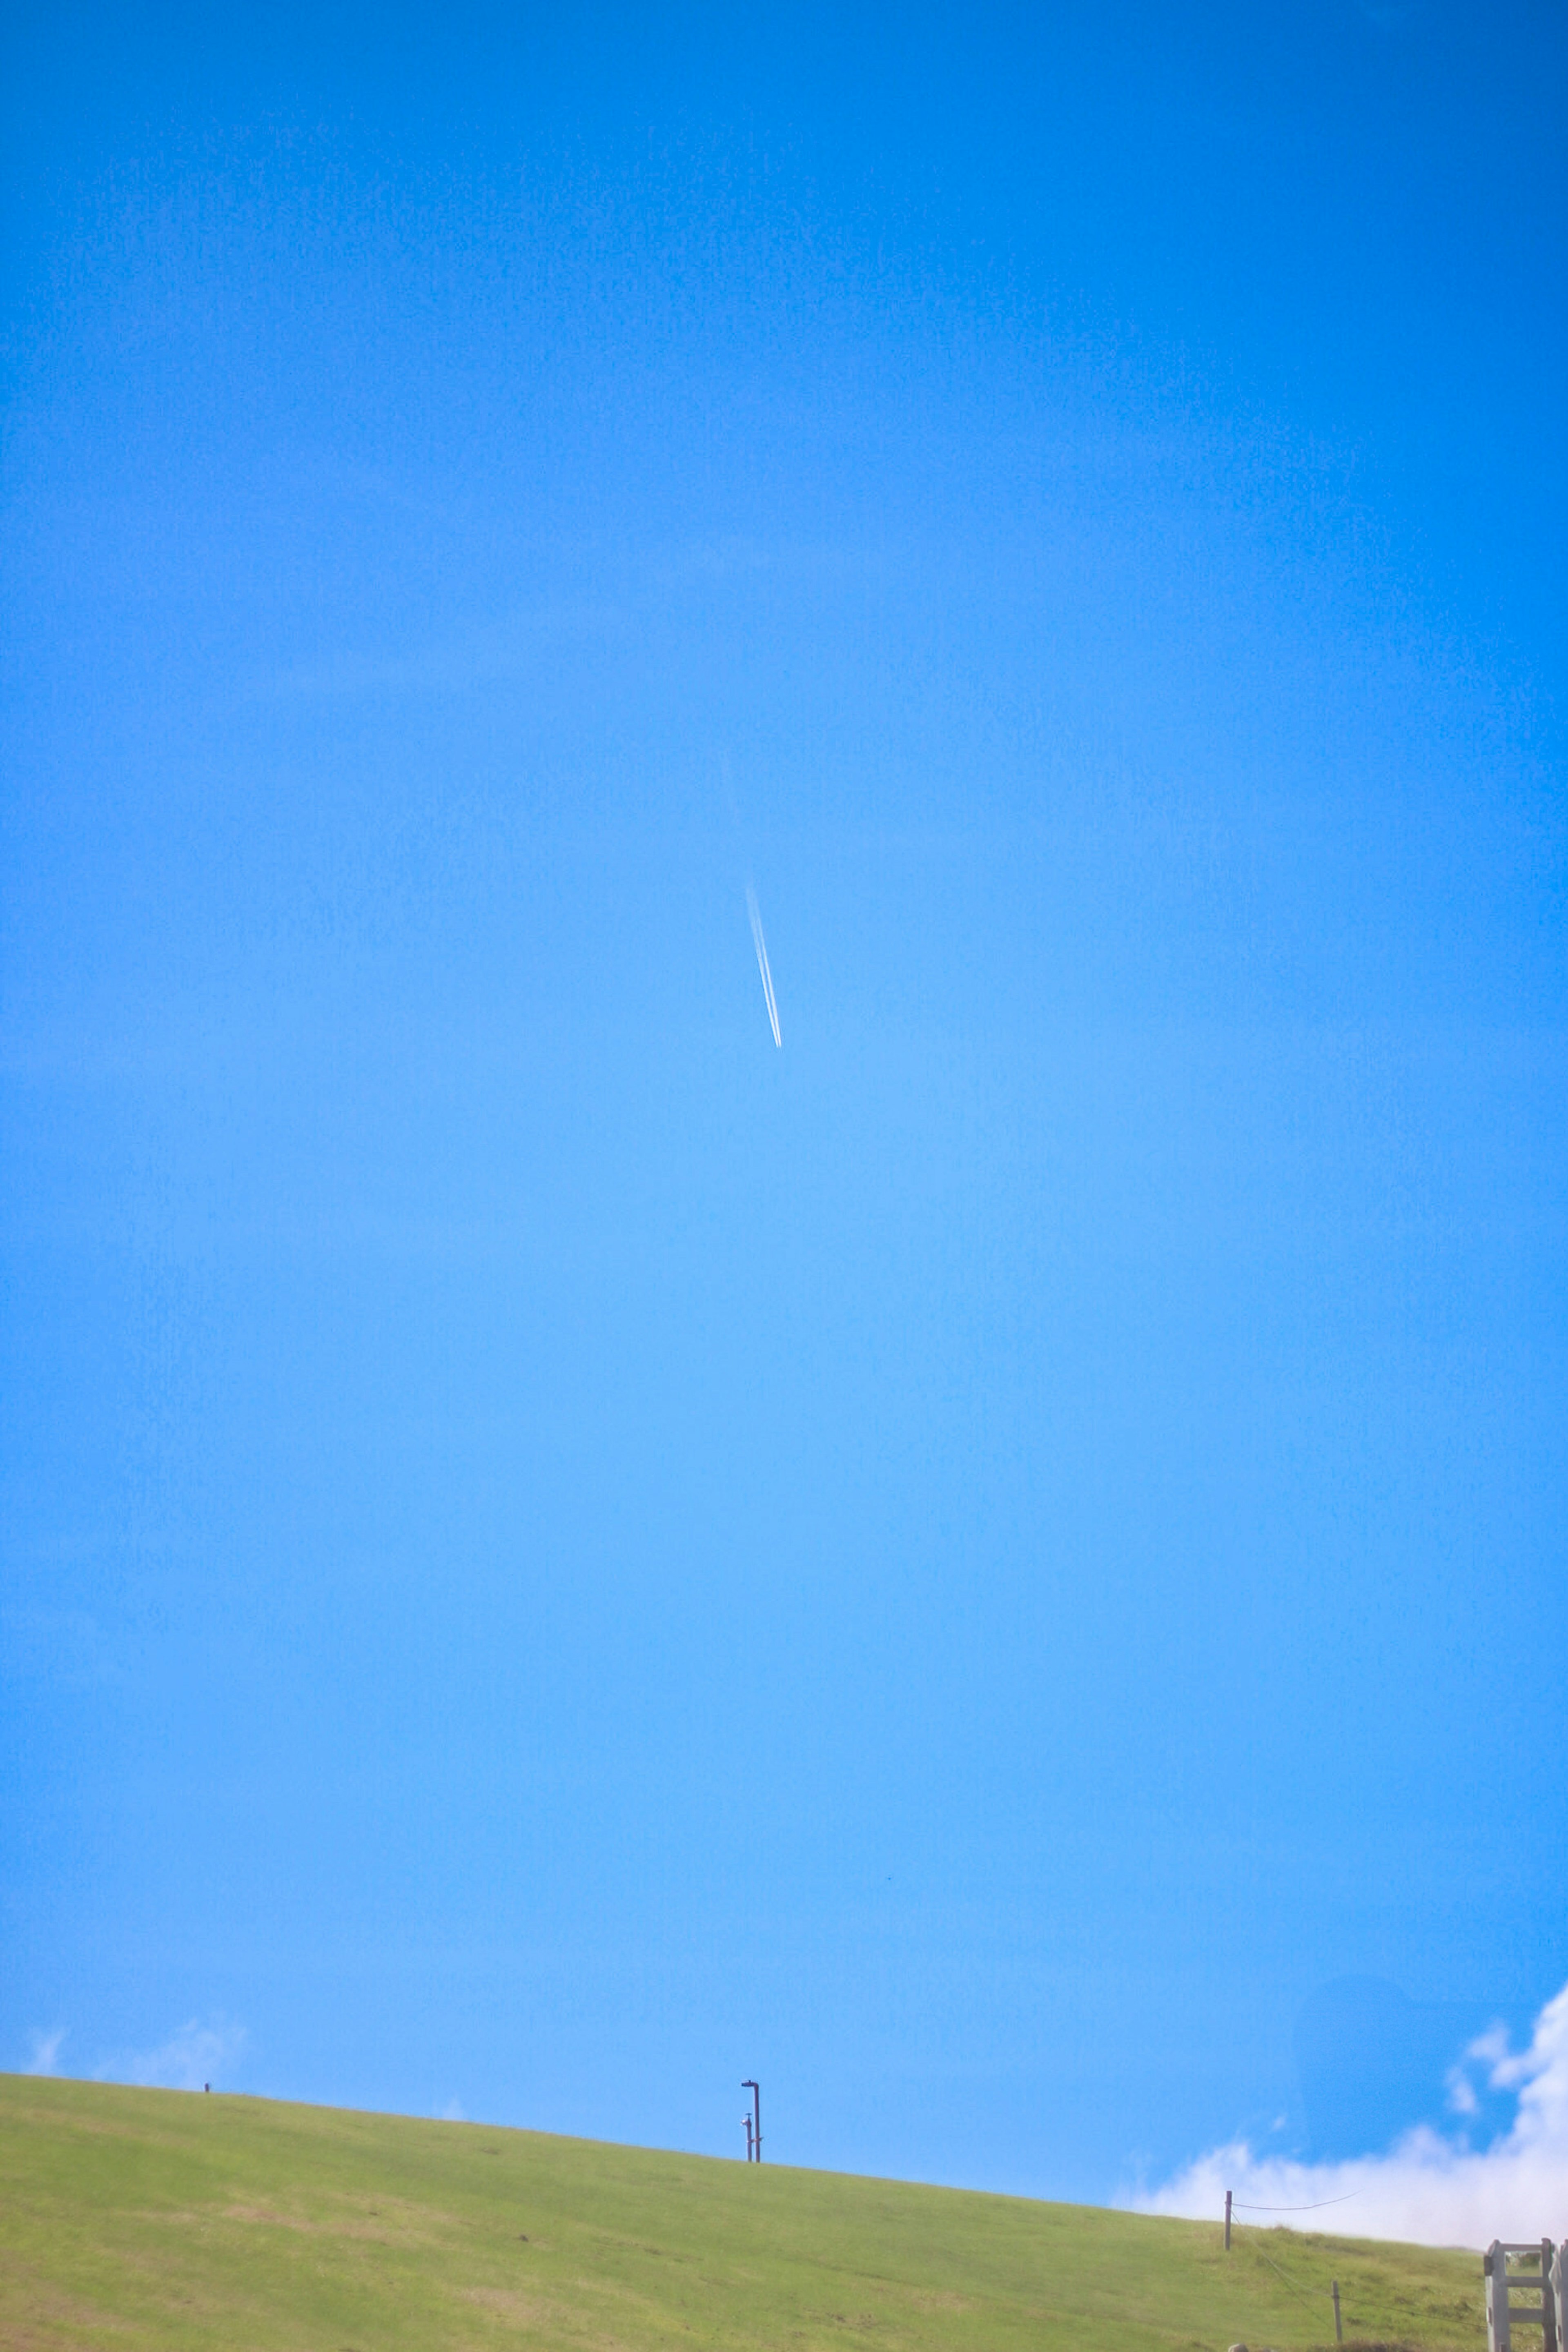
1227, 2197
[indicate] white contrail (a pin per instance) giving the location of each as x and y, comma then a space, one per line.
762, 947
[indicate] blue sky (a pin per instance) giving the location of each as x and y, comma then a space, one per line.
997, 1567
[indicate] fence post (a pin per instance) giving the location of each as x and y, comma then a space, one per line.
1228, 2195
1494, 2263
1339, 2331
1551, 2307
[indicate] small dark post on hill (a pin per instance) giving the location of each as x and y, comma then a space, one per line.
1227, 2197
746, 2119
754, 2138
1339, 2331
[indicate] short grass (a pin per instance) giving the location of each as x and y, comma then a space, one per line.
136, 2218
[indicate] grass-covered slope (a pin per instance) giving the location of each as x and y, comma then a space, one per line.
135, 2218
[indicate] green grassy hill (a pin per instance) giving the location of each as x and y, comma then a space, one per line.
134, 2218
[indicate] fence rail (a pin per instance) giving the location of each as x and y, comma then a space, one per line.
1544, 2285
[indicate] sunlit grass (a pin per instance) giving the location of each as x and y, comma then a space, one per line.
133, 2217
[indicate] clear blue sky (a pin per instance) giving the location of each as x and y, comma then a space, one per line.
987, 1565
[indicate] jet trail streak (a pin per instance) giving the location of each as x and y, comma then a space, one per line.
762, 947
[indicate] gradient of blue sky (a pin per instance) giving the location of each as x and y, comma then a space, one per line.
984, 1567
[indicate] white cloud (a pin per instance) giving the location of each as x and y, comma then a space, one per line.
196, 2055
1426, 2189
451, 2112
45, 2051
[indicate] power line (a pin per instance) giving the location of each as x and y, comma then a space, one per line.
1289, 2283
1321, 2206
1284, 2280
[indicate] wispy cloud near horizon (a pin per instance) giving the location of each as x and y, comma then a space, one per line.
195, 2054
45, 2051
1426, 2189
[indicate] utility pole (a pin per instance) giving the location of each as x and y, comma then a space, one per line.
756, 2092
1227, 2197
